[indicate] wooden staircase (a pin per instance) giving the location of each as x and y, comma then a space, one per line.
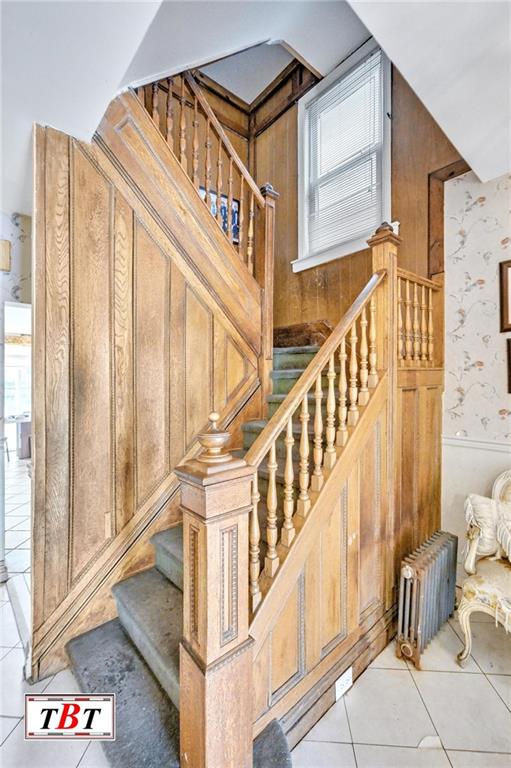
272, 566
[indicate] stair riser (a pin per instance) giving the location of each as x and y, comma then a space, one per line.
167, 680
250, 437
169, 567
292, 360
273, 408
282, 386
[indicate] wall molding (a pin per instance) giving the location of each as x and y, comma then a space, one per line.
497, 446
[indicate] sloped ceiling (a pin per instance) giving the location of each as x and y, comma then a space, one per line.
457, 58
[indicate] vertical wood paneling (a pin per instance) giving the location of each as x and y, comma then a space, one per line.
123, 347
284, 643
407, 491
57, 337
152, 363
370, 529
199, 339
235, 368
352, 489
91, 297
331, 571
177, 366
220, 365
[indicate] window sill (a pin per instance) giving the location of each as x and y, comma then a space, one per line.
309, 262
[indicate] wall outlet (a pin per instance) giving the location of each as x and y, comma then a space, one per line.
343, 683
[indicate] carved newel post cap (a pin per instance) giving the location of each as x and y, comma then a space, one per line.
214, 442
384, 227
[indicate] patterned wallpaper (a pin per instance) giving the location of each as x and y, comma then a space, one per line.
16, 284
477, 237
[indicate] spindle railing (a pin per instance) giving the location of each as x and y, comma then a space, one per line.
418, 334
348, 369
196, 137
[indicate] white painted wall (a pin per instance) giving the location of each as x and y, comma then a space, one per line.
477, 405
457, 58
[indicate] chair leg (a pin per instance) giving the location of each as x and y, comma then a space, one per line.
464, 611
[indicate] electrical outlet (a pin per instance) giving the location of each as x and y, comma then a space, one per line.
343, 683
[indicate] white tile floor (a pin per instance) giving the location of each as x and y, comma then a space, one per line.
442, 716
393, 717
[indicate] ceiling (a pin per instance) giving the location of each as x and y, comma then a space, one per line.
457, 58
246, 74
63, 61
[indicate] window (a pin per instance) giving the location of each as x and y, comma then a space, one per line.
344, 148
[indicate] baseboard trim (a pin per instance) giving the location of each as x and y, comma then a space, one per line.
478, 445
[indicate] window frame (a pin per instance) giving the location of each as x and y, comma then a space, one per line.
306, 260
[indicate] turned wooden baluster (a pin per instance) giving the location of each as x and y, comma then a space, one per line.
430, 326
330, 452
353, 388
288, 528
195, 144
372, 380
155, 111
317, 474
408, 323
182, 129
241, 220
342, 430
400, 329
250, 235
424, 326
254, 543
363, 394
304, 502
219, 185
229, 202
170, 114
416, 325
271, 561
207, 171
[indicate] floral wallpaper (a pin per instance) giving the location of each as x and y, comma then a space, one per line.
16, 284
477, 237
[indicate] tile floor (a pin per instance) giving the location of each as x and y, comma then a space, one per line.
393, 717
442, 716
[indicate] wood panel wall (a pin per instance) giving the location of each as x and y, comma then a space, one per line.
142, 328
419, 148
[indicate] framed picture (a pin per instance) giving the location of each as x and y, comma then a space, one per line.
505, 295
223, 210
509, 366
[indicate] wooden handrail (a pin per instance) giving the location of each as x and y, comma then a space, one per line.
279, 420
413, 278
223, 137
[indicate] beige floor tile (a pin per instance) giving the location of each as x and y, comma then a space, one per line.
9, 635
15, 538
316, 754
63, 682
24, 524
387, 659
502, 684
491, 647
384, 707
371, 756
478, 759
94, 757
18, 753
12, 702
7, 725
440, 655
466, 710
13, 520
333, 726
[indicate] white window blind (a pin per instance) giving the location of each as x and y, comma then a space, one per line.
344, 130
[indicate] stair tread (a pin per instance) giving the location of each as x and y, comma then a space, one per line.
306, 350
257, 425
151, 612
171, 540
147, 723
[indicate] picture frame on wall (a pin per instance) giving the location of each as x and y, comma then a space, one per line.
223, 210
505, 295
509, 365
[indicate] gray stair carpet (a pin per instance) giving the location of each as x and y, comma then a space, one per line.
104, 660
168, 546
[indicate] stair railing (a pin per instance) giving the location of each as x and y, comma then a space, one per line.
344, 373
419, 311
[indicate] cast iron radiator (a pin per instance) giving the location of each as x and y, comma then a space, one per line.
427, 593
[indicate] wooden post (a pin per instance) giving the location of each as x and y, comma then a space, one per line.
216, 715
265, 239
384, 245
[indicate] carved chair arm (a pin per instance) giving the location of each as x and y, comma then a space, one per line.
473, 534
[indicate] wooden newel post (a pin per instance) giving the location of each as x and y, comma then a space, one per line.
384, 245
216, 652
264, 275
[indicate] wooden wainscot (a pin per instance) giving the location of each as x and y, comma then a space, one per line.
216, 652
